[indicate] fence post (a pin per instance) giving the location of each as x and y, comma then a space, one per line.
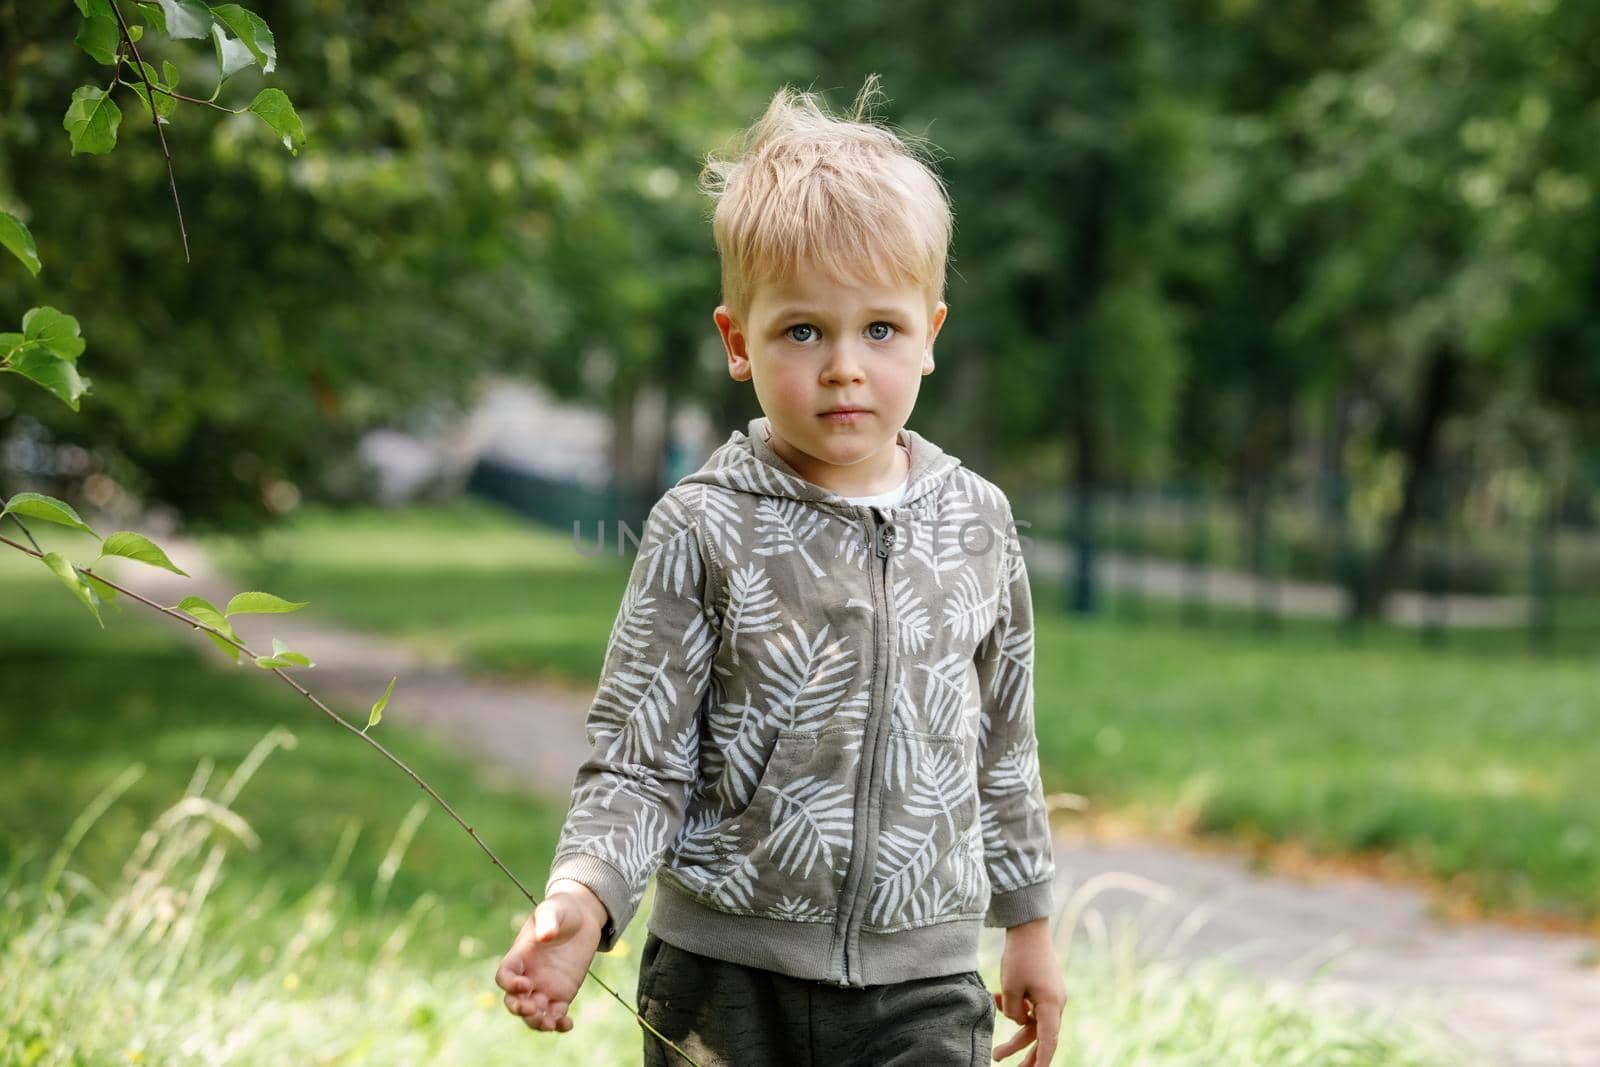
1198, 515
1432, 534
1541, 574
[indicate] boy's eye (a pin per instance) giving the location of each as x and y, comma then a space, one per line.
804, 332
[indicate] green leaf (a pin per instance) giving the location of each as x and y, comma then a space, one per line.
204, 611
261, 604
107, 594
274, 107
135, 33
249, 28
169, 73
92, 121
166, 104
377, 709
232, 650
92, 8
44, 351
47, 508
99, 36
130, 545
50, 372
16, 236
54, 330
283, 657
153, 16
80, 588
232, 55
184, 18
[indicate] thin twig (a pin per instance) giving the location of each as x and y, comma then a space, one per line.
336, 717
155, 117
18, 520
188, 99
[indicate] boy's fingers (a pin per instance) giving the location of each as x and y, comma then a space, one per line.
1049, 1032
1016, 1040
1012, 1007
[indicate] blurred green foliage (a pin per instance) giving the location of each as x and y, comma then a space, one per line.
1337, 246
486, 186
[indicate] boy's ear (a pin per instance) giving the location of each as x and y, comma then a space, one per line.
939, 313
733, 341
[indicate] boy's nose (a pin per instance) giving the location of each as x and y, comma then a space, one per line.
843, 365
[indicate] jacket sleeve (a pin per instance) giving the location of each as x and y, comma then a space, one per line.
1016, 833
629, 797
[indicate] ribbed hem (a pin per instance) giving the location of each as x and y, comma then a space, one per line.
1021, 905
607, 883
803, 949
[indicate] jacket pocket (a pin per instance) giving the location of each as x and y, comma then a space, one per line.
786, 853
929, 866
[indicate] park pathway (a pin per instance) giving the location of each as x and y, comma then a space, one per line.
1524, 998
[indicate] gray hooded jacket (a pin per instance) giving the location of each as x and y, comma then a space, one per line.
816, 718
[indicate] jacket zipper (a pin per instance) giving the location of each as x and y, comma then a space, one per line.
883, 539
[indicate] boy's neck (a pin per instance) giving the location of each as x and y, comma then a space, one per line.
849, 481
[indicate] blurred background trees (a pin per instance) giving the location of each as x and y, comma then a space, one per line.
1307, 289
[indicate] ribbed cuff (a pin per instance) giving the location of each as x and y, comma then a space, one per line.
608, 884
1022, 905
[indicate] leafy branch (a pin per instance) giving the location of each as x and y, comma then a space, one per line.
47, 349
96, 591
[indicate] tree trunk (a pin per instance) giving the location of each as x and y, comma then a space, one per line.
1433, 404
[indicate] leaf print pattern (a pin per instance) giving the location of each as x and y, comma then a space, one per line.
911, 613
727, 729
802, 909
721, 517
936, 544
745, 755
853, 545
967, 611
940, 787
806, 677
674, 556
786, 526
752, 605
907, 855
738, 888
943, 696
811, 819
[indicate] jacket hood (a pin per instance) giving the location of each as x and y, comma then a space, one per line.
746, 462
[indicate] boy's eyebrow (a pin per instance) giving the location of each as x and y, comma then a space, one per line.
791, 312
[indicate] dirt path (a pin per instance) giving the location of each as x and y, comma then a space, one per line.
1525, 999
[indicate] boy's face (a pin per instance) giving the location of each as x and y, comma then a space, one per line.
811, 345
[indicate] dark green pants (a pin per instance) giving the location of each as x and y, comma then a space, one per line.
728, 1015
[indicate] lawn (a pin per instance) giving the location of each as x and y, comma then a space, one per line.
197, 868
1468, 762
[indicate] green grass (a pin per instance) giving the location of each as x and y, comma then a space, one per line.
1470, 761
79, 704
197, 868
467, 578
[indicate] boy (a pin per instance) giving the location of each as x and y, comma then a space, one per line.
816, 709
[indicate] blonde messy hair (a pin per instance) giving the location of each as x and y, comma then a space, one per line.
848, 196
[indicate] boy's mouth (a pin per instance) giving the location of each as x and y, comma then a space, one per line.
844, 414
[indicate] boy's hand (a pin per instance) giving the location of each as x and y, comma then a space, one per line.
542, 972
1033, 992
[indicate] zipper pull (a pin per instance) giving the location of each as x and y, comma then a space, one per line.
884, 538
